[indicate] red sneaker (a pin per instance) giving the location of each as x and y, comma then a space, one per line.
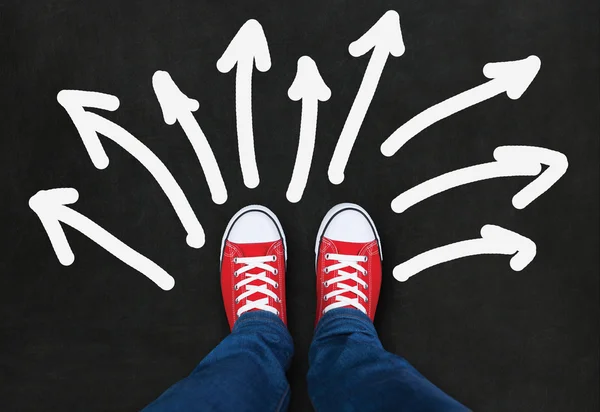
253, 261
348, 261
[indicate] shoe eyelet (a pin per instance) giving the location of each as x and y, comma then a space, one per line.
325, 298
366, 300
366, 258
326, 270
235, 274
327, 256
276, 272
237, 301
276, 285
274, 258
277, 300
236, 287
276, 312
366, 273
235, 260
325, 284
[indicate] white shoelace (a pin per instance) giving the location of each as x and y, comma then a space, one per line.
345, 261
258, 262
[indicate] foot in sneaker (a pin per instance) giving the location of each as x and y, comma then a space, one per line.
348, 261
253, 261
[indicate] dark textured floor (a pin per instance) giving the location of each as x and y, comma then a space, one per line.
98, 336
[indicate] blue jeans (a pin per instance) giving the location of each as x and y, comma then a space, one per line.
349, 371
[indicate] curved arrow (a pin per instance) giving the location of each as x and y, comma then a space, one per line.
385, 38
309, 87
50, 206
90, 124
177, 107
248, 48
494, 240
512, 77
510, 161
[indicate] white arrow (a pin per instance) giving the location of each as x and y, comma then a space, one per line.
385, 38
494, 240
248, 48
90, 124
512, 78
309, 87
510, 161
50, 207
176, 106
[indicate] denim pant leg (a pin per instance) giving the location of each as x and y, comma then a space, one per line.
245, 372
350, 371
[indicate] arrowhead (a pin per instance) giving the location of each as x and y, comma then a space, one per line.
524, 249
526, 159
386, 33
515, 75
47, 204
557, 166
308, 83
173, 102
249, 43
74, 102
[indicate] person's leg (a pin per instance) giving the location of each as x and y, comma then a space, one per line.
245, 372
351, 371
349, 368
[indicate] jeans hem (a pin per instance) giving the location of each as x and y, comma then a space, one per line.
345, 313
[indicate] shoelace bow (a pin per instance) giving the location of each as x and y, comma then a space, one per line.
346, 261
251, 263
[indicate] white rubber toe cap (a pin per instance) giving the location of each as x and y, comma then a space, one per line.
254, 226
350, 225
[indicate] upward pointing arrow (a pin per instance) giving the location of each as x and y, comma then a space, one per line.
50, 206
248, 48
385, 38
176, 106
309, 87
90, 124
512, 78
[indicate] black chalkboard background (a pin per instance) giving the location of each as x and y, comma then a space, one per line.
98, 336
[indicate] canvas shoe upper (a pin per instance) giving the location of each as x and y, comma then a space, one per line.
348, 261
253, 262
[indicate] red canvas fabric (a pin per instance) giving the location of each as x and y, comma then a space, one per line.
372, 265
228, 280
